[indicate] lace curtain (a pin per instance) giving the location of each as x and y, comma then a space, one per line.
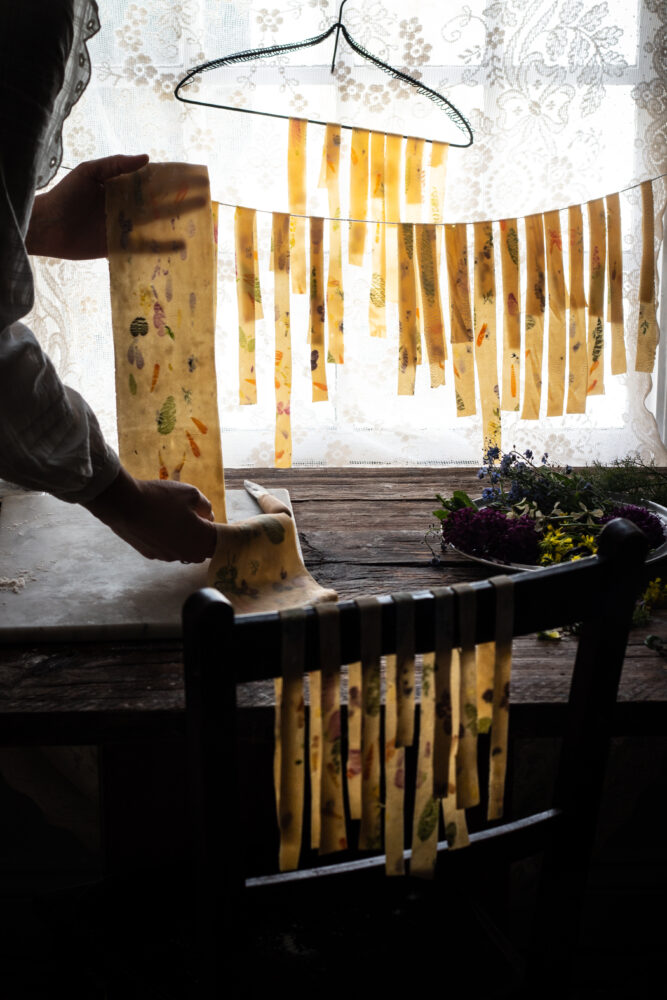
567, 101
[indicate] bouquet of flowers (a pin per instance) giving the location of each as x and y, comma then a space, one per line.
534, 513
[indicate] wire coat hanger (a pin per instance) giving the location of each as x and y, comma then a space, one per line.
250, 55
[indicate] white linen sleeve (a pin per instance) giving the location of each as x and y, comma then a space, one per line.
49, 437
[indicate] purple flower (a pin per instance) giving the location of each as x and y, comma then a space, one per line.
651, 525
491, 534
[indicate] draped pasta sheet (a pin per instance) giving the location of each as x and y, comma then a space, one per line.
464, 696
160, 235
160, 231
553, 285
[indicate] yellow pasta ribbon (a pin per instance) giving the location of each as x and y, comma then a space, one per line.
437, 182
426, 811
456, 245
358, 195
283, 342
596, 274
370, 833
318, 369
454, 817
407, 310
333, 834
394, 765
503, 586
486, 661
647, 331
615, 285
392, 201
577, 357
315, 757
467, 781
509, 260
248, 295
414, 179
292, 729
485, 334
557, 338
429, 283
296, 188
442, 738
330, 178
377, 302
354, 726
535, 306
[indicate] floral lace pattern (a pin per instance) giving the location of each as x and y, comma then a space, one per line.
567, 101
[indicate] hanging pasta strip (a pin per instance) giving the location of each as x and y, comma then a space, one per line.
377, 319
333, 835
615, 285
292, 728
577, 358
407, 309
454, 818
370, 613
277, 745
456, 245
485, 334
426, 812
504, 590
596, 273
509, 259
354, 727
557, 339
259, 309
330, 178
318, 369
247, 294
399, 727
315, 756
437, 181
535, 306
486, 658
467, 781
392, 202
394, 777
283, 356
296, 188
443, 613
358, 195
414, 179
647, 332
429, 282
405, 668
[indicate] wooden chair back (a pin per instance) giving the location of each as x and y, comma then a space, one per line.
220, 652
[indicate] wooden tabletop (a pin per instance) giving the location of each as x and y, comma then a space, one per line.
362, 532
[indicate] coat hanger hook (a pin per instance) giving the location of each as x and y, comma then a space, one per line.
339, 23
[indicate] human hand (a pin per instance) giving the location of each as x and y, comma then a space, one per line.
69, 220
161, 519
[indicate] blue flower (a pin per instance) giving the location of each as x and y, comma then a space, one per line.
494, 475
488, 493
544, 457
505, 464
528, 453
568, 470
481, 473
492, 453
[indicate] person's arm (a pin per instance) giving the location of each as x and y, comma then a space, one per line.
49, 437
162, 519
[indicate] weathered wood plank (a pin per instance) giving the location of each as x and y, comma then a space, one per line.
362, 533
